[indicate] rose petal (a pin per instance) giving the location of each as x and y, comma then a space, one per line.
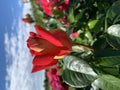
63, 52
63, 38
41, 67
42, 60
48, 36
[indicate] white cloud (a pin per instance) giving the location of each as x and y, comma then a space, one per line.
21, 2
19, 61
27, 9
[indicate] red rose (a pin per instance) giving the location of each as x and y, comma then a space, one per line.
47, 47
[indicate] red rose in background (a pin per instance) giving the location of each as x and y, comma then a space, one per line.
63, 6
75, 34
47, 5
47, 47
56, 80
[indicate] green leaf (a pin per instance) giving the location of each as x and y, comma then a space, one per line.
92, 24
113, 41
113, 36
114, 30
100, 43
103, 5
110, 61
107, 82
88, 35
58, 13
76, 64
106, 53
78, 40
39, 12
96, 26
76, 79
71, 17
77, 72
114, 12
111, 70
79, 15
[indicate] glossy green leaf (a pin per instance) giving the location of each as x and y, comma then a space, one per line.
113, 41
107, 82
76, 64
111, 70
114, 30
110, 61
113, 36
76, 79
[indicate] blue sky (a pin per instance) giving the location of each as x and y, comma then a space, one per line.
15, 59
6, 19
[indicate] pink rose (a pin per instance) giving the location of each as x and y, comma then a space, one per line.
75, 34
56, 80
47, 5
